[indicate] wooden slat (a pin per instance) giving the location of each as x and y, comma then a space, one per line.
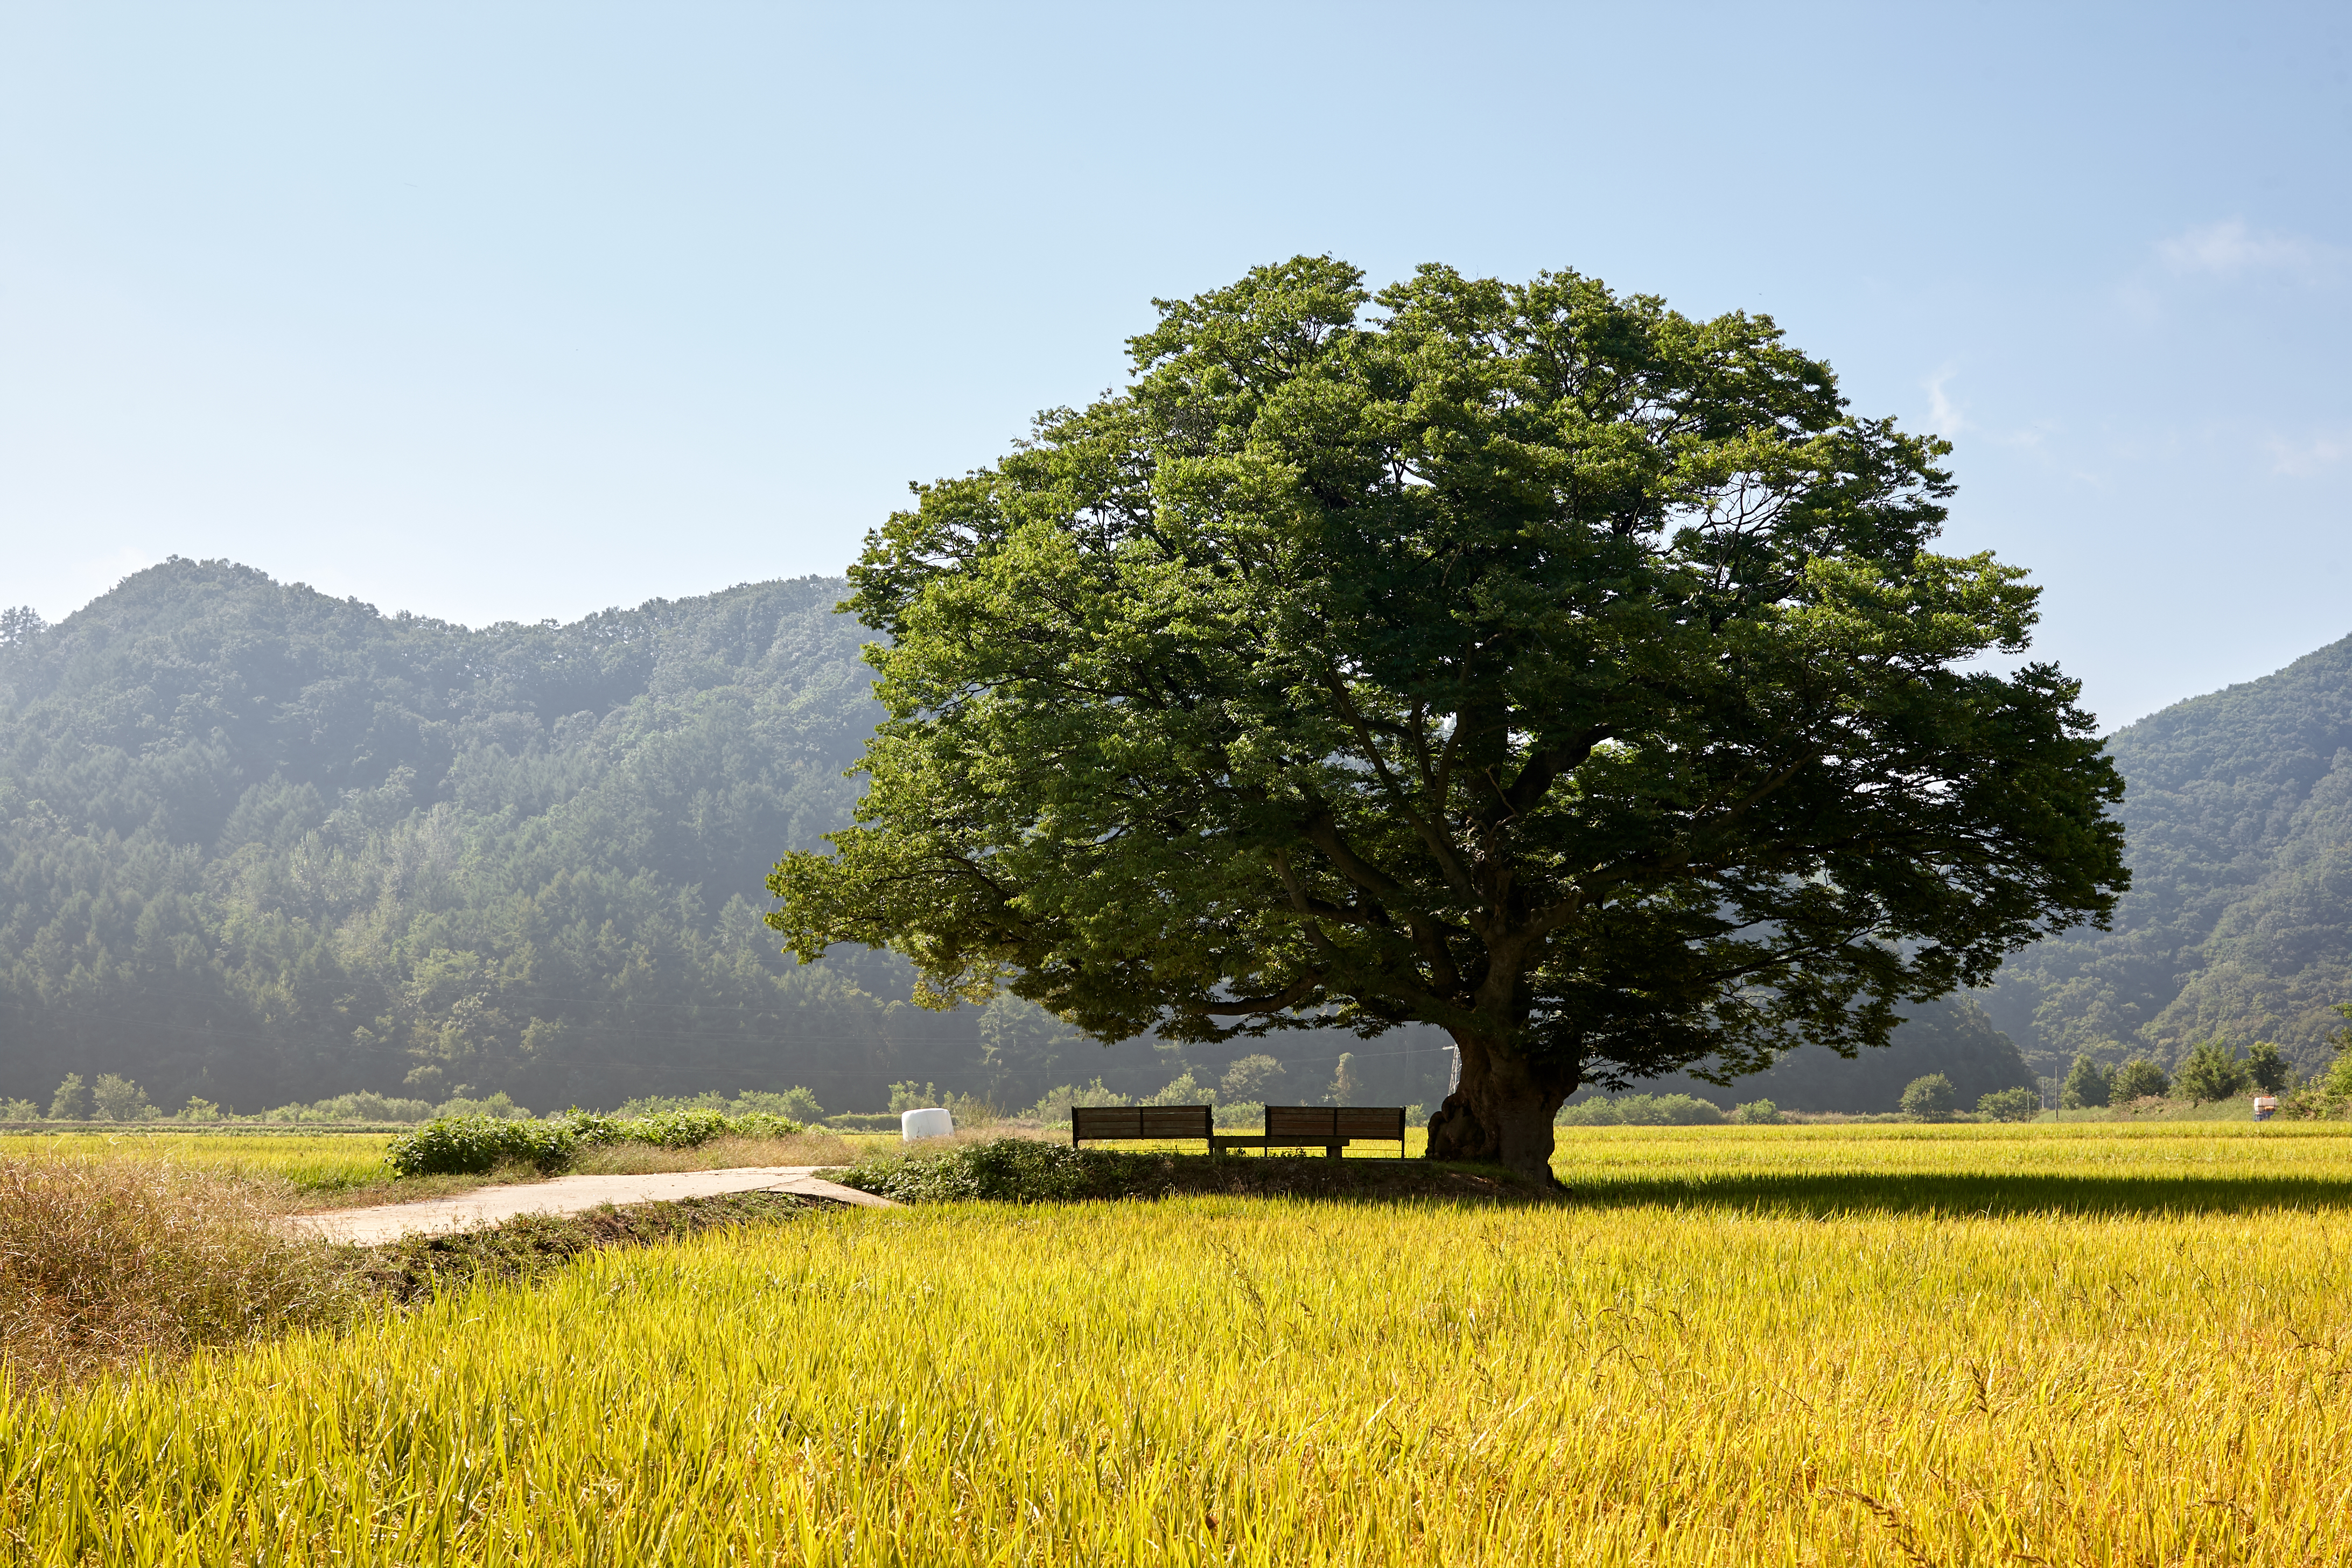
1138, 1121
1370, 1121
1308, 1123
1173, 1121
1105, 1121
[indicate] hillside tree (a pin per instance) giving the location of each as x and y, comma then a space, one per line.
2268, 1067
1526, 660
2210, 1072
2087, 1085
2138, 1079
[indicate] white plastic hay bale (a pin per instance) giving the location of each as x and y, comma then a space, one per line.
932, 1123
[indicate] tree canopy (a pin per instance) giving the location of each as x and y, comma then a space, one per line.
1527, 659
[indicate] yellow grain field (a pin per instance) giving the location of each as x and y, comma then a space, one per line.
1726, 1378
310, 1161
309, 1170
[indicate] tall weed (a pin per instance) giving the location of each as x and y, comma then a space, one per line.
104, 1262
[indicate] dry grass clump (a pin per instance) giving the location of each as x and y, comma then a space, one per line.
105, 1262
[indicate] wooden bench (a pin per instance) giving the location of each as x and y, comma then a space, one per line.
1326, 1127
1331, 1127
1137, 1122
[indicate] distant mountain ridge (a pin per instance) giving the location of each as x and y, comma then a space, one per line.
2238, 824
261, 844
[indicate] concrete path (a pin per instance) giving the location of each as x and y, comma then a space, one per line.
567, 1194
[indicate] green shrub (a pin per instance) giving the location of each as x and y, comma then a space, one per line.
1186, 1090
2268, 1067
369, 1106
1931, 1098
2019, 1104
501, 1104
594, 1130
679, 1129
1641, 1111
468, 1145
1669, 1110
795, 1104
688, 1128
2138, 1079
1007, 1170
762, 1124
449, 1146
2312, 1101
1755, 1113
867, 1121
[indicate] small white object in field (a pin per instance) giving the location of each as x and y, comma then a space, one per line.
933, 1123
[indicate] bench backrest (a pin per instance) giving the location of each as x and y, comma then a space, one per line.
1313, 1124
1138, 1121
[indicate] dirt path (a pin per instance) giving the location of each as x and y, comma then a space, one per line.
566, 1195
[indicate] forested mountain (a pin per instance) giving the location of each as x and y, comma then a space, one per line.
261, 844
2238, 823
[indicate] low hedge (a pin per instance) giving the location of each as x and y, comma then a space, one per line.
469, 1145
1008, 1170
466, 1145
1030, 1170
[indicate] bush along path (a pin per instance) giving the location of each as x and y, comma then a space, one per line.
1024, 1170
468, 1145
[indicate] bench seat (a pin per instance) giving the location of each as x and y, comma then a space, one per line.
1330, 1128
1138, 1121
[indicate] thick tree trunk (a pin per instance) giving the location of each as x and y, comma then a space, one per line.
1502, 1112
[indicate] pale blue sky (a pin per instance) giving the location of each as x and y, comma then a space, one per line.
512, 312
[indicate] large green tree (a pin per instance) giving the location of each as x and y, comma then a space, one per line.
1526, 660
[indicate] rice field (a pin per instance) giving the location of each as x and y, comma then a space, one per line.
328, 1163
2081, 1167
1741, 1345
309, 1170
